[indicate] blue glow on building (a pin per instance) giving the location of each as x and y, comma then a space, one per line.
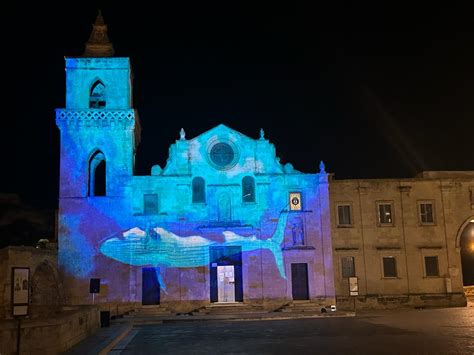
222, 199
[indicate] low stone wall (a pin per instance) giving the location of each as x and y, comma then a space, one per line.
401, 301
469, 292
53, 332
45, 285
118, 309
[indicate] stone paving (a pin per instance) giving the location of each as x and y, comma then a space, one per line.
434, 331
428, 331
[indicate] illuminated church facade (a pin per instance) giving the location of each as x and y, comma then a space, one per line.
224, 221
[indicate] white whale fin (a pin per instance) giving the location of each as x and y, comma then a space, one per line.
160, 280
231, 236
274, 243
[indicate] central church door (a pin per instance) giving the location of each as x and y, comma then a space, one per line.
226, 274
226, 283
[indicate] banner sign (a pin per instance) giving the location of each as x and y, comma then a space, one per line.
353, 286
20, 284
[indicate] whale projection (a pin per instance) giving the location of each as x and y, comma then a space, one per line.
162, 248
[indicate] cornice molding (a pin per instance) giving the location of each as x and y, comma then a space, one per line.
116, 119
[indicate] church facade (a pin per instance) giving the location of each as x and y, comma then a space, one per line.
224, 221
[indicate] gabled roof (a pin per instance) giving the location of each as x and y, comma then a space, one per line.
221, 129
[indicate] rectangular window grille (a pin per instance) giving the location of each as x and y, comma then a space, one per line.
385, 213
150, 204
347, 265
344, 215
431, 266
389, 266
426, 213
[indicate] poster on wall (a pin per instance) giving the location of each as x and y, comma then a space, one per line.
20, 290
353, 286
295, 201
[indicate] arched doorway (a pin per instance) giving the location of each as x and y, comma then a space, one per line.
466, 245
44, 286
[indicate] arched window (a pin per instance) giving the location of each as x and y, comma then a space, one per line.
97, 174
248, 189
97, 95
199, 190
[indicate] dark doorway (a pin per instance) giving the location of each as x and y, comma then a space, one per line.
226, 256
467, 254
299, 281
99, 180
150, 286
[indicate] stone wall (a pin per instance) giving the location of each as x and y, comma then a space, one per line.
469, 292
55, 332
45, 285
406, 239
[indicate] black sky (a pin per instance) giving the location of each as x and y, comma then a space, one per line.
375, 92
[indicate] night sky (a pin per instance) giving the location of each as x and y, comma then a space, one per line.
375, 92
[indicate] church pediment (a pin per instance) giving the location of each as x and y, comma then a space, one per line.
222, 131
222, 150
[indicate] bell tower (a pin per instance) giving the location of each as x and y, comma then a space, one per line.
99, 129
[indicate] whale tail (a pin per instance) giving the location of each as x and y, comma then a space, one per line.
160, 280
274, 243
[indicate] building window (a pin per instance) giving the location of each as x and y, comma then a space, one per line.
295, 201
431, 266
347, 266
222, 155
199, 190
344, 217
385, 214
150, 204
248, 189
97, 175
426, 211
97, 95
389, 266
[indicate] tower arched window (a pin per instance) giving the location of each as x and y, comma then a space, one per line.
248, 189
199, 190
97, 175
97, 95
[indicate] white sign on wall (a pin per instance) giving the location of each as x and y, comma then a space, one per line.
20, 290
353, 286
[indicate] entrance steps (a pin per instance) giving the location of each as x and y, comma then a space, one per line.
300, 306
151, 311
227, 308
148, 315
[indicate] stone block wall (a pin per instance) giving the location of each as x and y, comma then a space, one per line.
45, 284
50, 335
406, 239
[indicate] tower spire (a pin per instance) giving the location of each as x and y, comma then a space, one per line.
98, 44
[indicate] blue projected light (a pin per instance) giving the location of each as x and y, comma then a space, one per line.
218, 190
163, 248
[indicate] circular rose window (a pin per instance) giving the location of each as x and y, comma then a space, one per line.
222, 155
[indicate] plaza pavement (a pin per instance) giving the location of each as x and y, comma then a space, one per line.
407, 331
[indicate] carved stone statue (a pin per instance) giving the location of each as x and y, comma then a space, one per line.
322, 168
262, 133
297, 233
182, 134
